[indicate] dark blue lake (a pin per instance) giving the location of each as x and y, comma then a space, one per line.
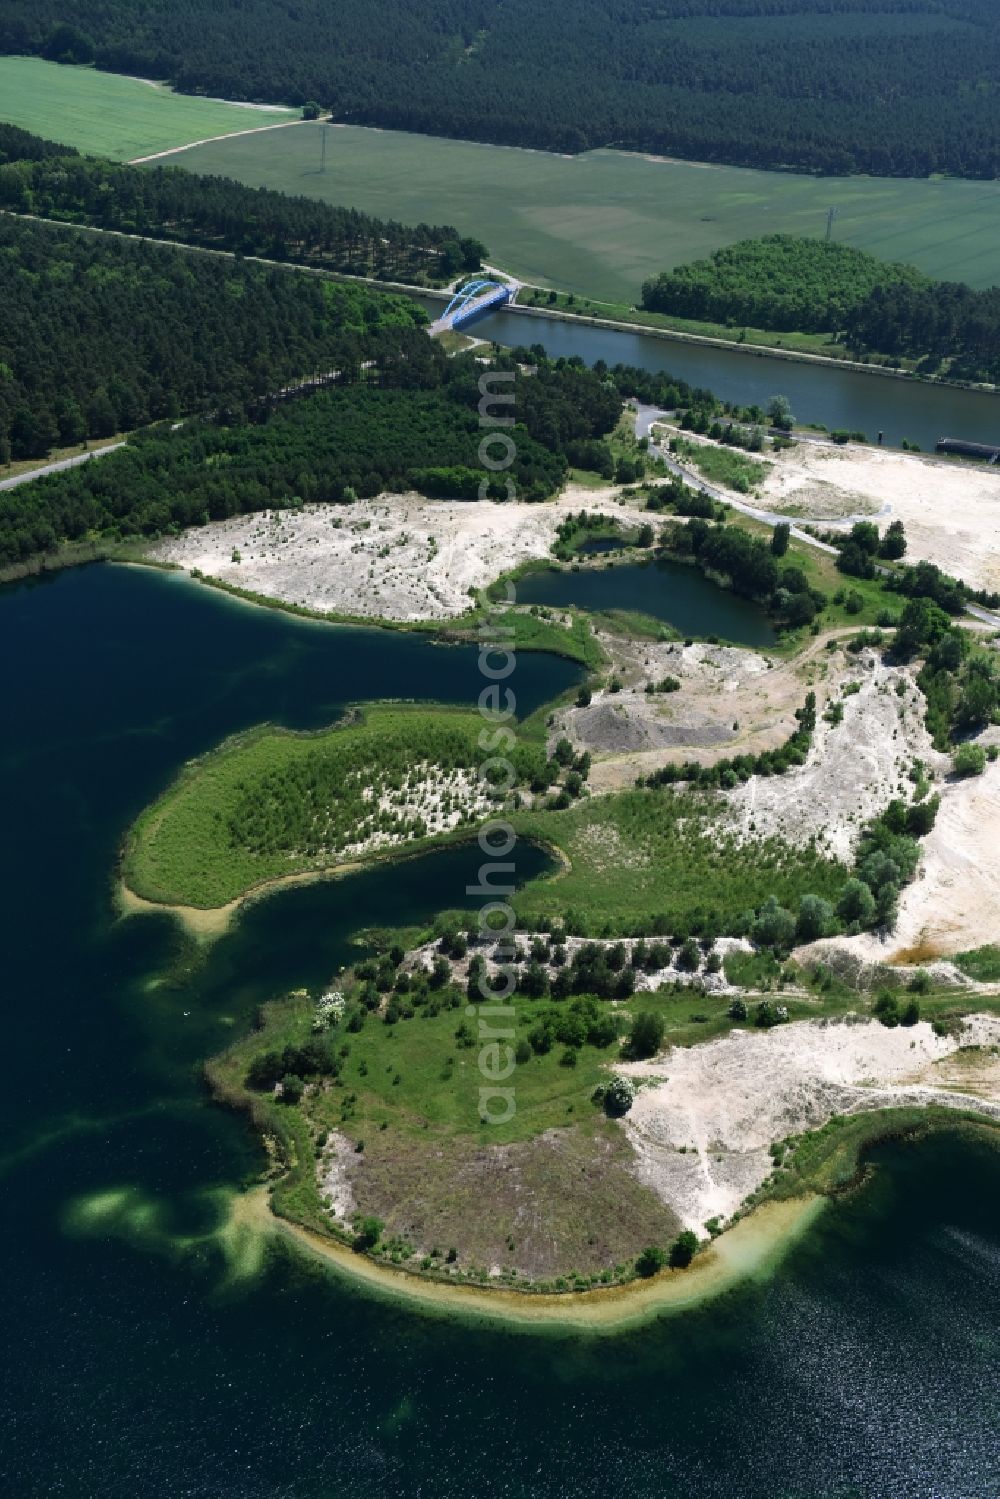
136, 1365
680, 596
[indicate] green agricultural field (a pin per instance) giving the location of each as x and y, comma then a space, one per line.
602, 223
106, 115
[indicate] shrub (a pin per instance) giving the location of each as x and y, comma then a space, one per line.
683, 1250
969, 760
650, 1261
689, 957
856, 904
774, 926
646, 1035
815, 918
886, 1008
619, 1096
292, 1088
369, 1231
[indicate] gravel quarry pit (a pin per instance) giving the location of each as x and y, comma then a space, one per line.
854, 768
730, 700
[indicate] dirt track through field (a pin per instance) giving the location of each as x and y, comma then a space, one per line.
138, 161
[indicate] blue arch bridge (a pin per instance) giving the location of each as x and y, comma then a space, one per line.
474, 299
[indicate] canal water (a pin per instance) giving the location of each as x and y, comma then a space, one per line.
148, 1354
858, 402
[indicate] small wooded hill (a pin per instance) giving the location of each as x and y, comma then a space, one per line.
891, 87
780, 282
785, 284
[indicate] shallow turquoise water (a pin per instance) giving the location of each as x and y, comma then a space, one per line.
135, 1365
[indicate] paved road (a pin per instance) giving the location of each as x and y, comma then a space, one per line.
647, 415
644, 419
57, 467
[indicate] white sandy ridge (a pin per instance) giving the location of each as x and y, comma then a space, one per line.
705, 1116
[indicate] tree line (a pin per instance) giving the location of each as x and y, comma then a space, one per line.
101, 335
20, 145
401, 416
941, 320
215, 212
889, 87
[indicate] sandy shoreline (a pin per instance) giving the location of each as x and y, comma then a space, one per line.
751, 1249
206, 923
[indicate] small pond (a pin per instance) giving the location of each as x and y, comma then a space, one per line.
671, 591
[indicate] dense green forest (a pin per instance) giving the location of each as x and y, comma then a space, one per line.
892, 87
20, 145
409, 421
780, 282
101, 334
784, 283
939, 321
167, 203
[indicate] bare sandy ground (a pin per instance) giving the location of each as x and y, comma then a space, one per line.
951, 511
399, 557
733, 701
333, 1176
705, 1116
854, 767
954, 903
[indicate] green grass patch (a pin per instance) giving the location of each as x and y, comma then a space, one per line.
662, 862
981, 964
637, 317
831, 1159
821, 573
720, 465
105, 114
602, 223
536, 632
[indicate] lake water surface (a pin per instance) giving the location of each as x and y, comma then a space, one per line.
680, 596
138, 1364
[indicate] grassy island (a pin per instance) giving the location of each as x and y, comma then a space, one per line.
270, 803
